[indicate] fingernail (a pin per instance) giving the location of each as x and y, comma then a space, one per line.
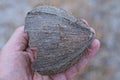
92, 30
85, 21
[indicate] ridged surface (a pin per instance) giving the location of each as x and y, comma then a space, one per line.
59, 37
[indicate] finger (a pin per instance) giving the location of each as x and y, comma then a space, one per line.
37, 76
90, 52
71, 72
32, 52
18, 41
60, 76
88, 25
92, 30
85, 21
46, 78
93, 48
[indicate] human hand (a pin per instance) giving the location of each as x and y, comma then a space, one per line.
16, 58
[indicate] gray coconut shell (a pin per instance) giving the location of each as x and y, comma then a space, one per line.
60, 38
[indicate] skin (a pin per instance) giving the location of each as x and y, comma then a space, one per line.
16, 58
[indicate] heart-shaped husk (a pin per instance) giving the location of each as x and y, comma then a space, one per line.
60, 38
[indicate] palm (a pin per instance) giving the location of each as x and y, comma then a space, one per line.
17, 64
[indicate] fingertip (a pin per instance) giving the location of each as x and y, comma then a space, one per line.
95, 44
20, 29
92, 30
84, 21
88, 25
93, 48
18, 41
19, 33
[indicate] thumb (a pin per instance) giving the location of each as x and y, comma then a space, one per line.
18, 41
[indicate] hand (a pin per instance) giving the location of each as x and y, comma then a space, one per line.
16, 58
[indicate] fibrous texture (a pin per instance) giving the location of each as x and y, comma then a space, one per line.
60, 38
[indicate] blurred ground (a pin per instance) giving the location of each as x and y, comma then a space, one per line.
102, 15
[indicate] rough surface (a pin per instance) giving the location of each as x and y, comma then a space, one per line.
59, 37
